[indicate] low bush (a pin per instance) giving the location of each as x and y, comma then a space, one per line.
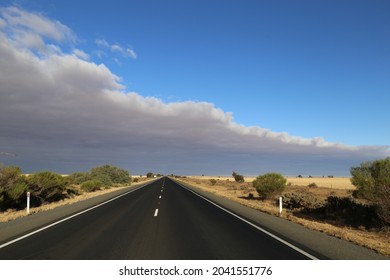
91, 185
301, 200
213, 182
269, 185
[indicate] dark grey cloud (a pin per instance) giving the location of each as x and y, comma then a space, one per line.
64, 113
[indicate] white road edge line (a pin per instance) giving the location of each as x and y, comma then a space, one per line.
253, 225
70, 217
156, 213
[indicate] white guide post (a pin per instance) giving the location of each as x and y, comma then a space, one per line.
28, 203
280, 205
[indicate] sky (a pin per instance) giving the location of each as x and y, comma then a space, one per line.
195, 87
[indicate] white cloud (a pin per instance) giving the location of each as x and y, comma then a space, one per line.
60, 109
117, 48
18, 19
102, 43
81, 54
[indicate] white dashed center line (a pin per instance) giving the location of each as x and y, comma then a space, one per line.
156, 213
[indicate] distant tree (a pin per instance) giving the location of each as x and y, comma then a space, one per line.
149, 175
238, 178
299, 176
372, 181
269, 185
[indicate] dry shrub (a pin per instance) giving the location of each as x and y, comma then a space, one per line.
302, 200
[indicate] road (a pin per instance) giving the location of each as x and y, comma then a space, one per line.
162, 220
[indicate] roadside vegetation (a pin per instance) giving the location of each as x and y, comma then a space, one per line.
46, 187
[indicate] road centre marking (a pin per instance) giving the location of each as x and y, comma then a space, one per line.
252, 224
156, 212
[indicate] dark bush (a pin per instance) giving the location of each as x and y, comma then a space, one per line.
350, 211
238, 177
213, 182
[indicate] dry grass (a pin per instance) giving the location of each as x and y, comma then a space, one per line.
239, 192
331, 183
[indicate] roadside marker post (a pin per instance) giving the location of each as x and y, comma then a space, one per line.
280, 205
28, 203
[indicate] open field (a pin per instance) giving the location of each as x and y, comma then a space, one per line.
340, 187
332, 183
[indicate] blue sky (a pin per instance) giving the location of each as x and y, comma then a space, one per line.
307, 68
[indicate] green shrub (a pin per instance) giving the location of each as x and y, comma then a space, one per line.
91, 185
13, 188
372, 181
79, 177
213, 182
109, 175
269, 185
47, 186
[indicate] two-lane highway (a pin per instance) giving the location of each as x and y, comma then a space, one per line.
162, 220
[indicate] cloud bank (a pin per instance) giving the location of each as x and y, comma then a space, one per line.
62, 112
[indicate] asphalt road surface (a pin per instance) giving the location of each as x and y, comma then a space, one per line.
162, 220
